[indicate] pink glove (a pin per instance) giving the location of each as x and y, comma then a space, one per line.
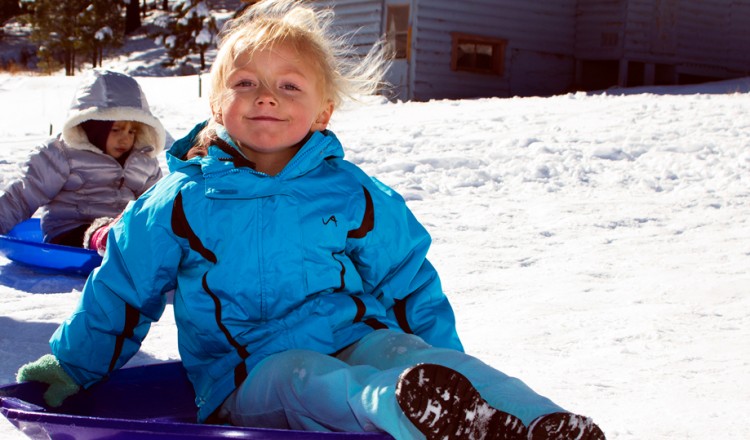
96, 235
98, 240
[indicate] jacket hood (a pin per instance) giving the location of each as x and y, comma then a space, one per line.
180, 147
107, 95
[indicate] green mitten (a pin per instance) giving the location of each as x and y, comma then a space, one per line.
47, 369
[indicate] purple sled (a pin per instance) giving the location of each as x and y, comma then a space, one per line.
147, 402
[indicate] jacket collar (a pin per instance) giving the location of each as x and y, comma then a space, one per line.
229, 174
319, 147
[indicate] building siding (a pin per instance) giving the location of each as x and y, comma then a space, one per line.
541, 32
738, 36
600, 29
671, 41
554, 46
359, 20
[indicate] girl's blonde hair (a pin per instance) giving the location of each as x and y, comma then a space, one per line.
343, 72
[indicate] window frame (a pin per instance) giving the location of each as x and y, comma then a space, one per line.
499, 46
400, 34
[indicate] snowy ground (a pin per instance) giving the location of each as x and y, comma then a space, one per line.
596, 246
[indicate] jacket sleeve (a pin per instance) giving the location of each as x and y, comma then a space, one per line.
44, 174
123, 297
389, 249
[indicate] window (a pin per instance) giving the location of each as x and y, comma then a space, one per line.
477, 54
397, 30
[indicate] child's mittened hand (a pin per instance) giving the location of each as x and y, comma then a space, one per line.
98, 240
95, 237
47, 369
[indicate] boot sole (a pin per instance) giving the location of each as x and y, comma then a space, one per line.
443, 404
564, 426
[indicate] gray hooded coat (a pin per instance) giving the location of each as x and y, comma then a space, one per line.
76, 182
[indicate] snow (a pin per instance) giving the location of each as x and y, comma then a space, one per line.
204, 37
103, 33
595, 245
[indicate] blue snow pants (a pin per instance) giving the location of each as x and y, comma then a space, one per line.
355, 391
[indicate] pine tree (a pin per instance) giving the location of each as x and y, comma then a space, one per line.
132, 15
101, 28
64, 29
8, 9
188, 29
54, 27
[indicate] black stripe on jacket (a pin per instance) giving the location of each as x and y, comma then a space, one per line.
399, 309
132, 316
182, 228
240, 372
368, 219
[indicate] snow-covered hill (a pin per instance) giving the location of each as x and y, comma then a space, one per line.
595, 246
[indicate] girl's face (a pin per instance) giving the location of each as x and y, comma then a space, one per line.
273, 101
121, 138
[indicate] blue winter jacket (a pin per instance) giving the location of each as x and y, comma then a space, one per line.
313, 258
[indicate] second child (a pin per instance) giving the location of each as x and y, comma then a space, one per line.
104, 158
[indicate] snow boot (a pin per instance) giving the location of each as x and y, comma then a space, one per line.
443, 404
564, 426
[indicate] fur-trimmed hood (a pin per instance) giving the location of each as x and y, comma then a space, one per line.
107, 95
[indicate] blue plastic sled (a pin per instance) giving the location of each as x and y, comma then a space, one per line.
23, 244
147, 402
